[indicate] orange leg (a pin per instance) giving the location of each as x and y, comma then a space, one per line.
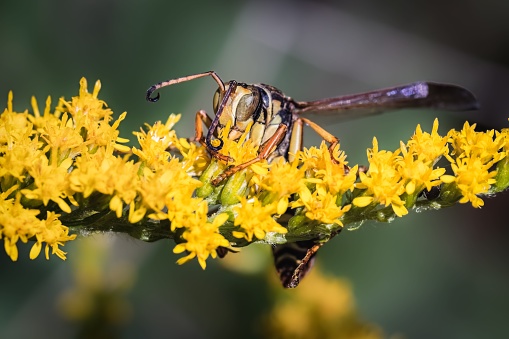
201, 117
266, 150
331, 139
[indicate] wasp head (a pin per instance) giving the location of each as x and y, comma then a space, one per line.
238, 104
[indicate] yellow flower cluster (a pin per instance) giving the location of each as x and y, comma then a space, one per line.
70, 164
69, 167
394, 175
322, 307
397, 178
472, 158
36, 166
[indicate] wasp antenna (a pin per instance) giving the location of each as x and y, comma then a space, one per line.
214, 148
183, 79
220, 82
215, 122
149, 94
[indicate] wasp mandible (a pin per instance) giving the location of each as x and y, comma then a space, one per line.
277, 128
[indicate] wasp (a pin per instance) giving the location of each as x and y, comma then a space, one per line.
277, 128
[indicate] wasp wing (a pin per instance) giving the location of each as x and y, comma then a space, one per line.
414, 95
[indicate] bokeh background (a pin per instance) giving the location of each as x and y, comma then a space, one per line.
441, 274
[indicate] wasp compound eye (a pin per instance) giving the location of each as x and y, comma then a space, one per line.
248, 105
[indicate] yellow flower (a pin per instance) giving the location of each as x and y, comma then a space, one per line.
320, 205
19, 223
416, 170
107, 174
472, 177
322, 307
14, 126
50, 182
333, 176
63, 140
54, 234
172, 187
278, 180
195, 158
382, 183
86, 108
16, 222
91, 115
160, 142
482, 145
240, 151
156, 142
39, 120
255, 220
474, 154
202, 240
429, 147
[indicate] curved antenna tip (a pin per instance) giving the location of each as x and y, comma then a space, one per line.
215, 148
149, 93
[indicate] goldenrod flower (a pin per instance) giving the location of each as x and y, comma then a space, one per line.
321, 205
472, 177
382, 183
416, 170
54, 234
276, 182
241, 150
322, 307
202, 240
428, 146
48, 160
66, 172
51, 182
321, 170
472, 144
156, 143
255, 220
472, 159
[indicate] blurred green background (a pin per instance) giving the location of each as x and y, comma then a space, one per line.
440, 274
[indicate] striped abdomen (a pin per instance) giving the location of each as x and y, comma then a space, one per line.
294, 260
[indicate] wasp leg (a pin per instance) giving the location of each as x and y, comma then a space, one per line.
304, 266
295, 139
294, 260
202, 118
267, 149
362, 169
331, 139
223, 251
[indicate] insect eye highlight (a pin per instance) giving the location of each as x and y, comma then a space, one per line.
247, 106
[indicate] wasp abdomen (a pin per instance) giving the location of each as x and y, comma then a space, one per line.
294, 260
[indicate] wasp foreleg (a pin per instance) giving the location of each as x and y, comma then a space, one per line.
266, 149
